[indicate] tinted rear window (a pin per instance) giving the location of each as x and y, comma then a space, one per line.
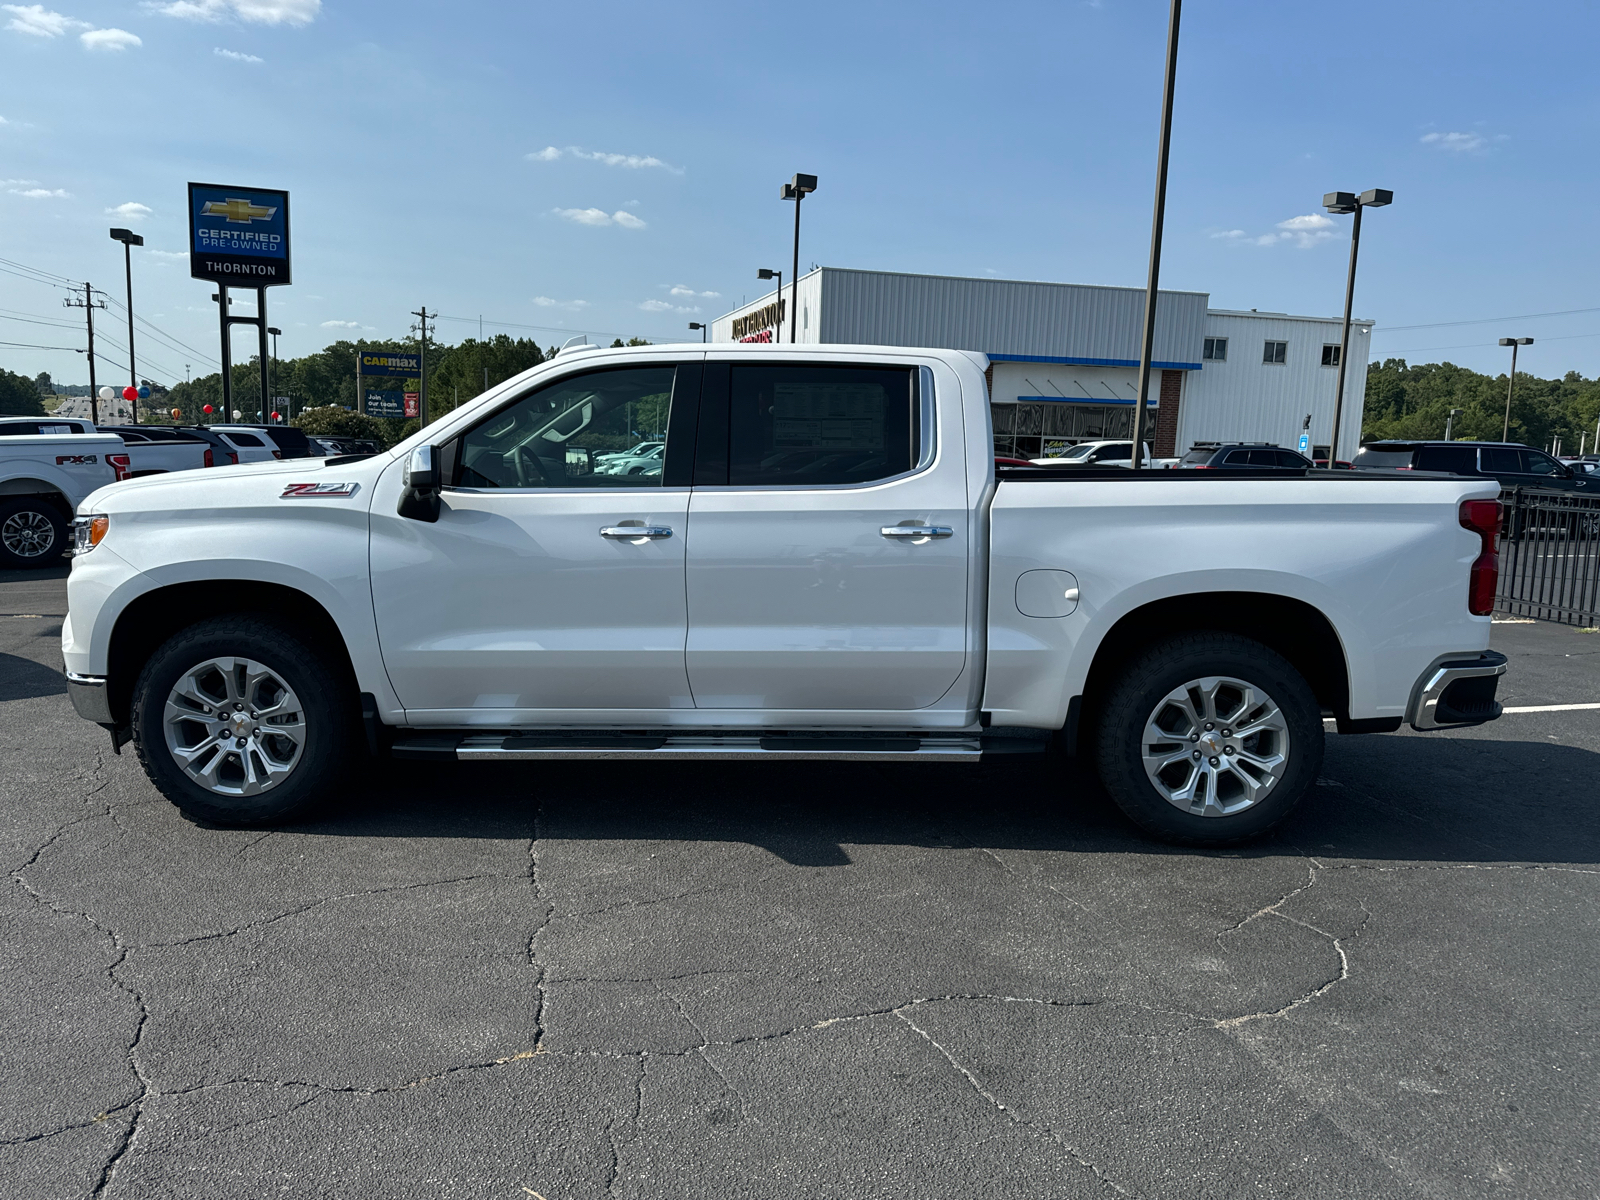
1367, 459
1458, 460
243, 439
1199, 456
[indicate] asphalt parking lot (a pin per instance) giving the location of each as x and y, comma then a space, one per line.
593, 980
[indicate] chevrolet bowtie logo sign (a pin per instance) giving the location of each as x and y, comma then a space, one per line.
237, 212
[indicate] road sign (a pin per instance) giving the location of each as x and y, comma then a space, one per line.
408, 365
239, 235
1305, 443
413, 404
387, 404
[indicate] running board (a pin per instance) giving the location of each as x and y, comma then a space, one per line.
729, 747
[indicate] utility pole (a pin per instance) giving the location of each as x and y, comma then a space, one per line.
1511, 381
89, 304
422, 381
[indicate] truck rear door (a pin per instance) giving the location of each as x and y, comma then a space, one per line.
828, 541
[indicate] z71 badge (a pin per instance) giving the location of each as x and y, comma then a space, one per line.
319, 491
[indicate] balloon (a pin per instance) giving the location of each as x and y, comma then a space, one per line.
277, 416
107, 393
144, 393
207, 409
176, 413
130, 393
237, 414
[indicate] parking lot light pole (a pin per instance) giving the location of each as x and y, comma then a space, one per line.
274, 332
702, 328
1450, 423
796, 190
1505, 432
1147, 349
768, 273
129, 240
1348, 202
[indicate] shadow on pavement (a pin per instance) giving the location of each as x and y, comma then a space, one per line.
23, 679
1384, 797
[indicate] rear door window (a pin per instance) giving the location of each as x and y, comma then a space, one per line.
1458, 460
1288, 458
1500, 460
810, 426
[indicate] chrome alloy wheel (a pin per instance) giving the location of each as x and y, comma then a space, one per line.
234, 727
1215, 746
28, 534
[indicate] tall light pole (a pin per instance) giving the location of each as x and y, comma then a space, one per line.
796, 190
768, 273
1348, 202
274, 332
702, 328
1450, 423
130, 239
1505, 432
1147, 348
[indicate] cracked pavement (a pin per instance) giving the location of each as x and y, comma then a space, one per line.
734, 980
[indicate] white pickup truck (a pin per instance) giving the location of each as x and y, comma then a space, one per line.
829, 566
45, 471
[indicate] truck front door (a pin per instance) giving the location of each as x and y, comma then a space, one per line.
828, 542
547, 589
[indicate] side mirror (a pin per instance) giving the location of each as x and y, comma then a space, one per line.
419, 501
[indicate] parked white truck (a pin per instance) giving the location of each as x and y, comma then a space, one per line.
43, 477
828, 566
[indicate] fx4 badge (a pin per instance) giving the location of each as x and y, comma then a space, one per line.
308, 491
75, 460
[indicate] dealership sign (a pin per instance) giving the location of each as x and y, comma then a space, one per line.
382, 403
391, 364
239, 235
752, 326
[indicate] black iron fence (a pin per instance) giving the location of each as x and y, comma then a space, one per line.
1550, 556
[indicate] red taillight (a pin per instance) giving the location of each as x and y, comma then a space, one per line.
277, 454
209, 461
1483, 518
120, 464
233, 459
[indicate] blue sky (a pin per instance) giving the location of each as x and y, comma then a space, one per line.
617, 168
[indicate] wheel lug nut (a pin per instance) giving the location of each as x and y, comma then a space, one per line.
240, 745
1195, 755
1227, 749
1209, 725
1194, 737
1216, 762
1225, 732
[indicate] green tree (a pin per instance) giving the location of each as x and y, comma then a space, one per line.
18, 396
334, 421
1405, 401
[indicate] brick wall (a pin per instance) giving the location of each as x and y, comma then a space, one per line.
1164, 444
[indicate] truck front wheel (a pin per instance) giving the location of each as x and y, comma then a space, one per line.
33, 533
238, 721
1209, 738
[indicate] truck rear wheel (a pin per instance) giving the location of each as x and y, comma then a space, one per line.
1209, 739
33, 533
238, 721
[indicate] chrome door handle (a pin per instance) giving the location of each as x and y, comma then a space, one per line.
631, 533
916, 531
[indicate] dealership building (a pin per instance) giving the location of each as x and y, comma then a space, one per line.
1064, 357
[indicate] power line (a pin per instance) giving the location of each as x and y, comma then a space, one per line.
48, 275
36, 346
1565, 337
1566, 312
515, 325
7, 316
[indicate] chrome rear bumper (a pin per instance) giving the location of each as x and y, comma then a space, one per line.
1457, 691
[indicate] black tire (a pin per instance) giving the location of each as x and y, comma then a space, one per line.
1167, 666
327, 706
33, 532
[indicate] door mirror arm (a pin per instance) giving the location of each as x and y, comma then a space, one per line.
419, 500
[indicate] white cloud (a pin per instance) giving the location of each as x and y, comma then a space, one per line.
659, 306
39, 21
109, 39
130, 211
1302, 232
1461, 143
341, 324
548, 302
10, 183
257, 12
630, 161
678, 289
173, 254
42, 193
236, 56
599, 216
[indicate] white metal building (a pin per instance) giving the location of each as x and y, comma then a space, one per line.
1064, 357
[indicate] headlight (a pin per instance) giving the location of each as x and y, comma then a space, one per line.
87, 532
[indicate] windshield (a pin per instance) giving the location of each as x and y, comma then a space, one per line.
1078, 452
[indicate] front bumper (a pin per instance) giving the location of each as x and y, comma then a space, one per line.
1457, 691
90, 698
